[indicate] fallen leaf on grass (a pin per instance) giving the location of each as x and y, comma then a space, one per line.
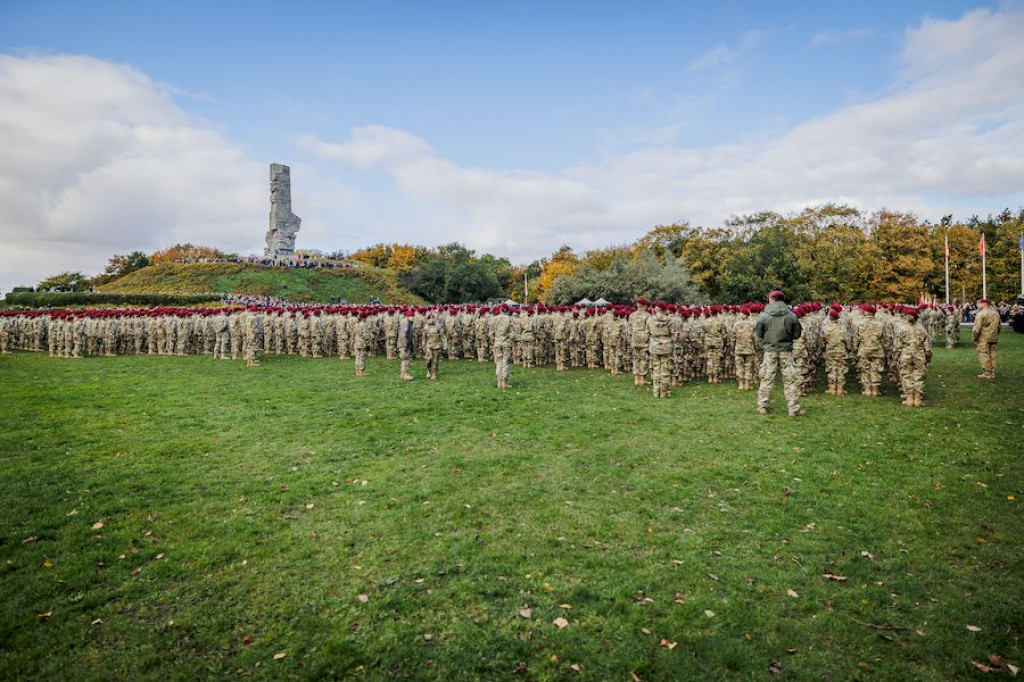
867, 555
47, 563
565, 606
72, 512
30, 539
560, 622
248, 639
98, 621
576, 667
526, 613
159, 556
364, 598
97, 525
775, 666
667, 644
456, 470
973, 628
837, 578
709, 613
44, 616
646, 631
309, 505
792, 593
280, 654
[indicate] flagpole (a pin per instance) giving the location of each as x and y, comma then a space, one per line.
984, 281
947, 267
1022, 264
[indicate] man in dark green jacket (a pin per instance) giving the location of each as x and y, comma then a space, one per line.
777, 327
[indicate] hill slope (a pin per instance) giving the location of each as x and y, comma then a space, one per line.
312, 286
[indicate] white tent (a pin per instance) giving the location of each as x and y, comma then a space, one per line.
510, 302
584, 301
601, 301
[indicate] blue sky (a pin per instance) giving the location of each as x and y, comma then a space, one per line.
513, 127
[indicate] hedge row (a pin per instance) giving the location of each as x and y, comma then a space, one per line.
45, 299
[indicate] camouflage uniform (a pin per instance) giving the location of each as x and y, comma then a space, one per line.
639, 338
432, 345
501, 343
837, 350
660, 345
915, 352
867, 346
986, 339
745, 351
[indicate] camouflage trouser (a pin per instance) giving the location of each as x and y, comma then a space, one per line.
593, 356
745, 367
952, 337
222, 345
661, 374
641, 361
835, 368
790, 380
501, 354
390, 345
560, 354
528, 349
870, 369
713, 360
433, 356
360, 354
988, 356
913, 369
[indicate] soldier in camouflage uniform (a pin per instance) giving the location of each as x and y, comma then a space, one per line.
776, 329
915, 353
360, 341
481, 329
659, 334
433, 344
501, 343
837, 350
639, 338
745, 349
985, 333
869, 350
404, 340
952, 326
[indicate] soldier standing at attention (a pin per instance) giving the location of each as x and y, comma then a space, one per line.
360, 332
405, 343
915, 352
501, 344
867, 346
837, 348
432, 344
776, 329
745, 349
660, 335
986, 338
639, 337
952, 326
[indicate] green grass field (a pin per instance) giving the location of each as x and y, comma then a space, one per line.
295, 284
293, 521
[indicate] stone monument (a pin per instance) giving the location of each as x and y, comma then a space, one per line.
283, 223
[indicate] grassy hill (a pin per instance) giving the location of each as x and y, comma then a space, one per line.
313, 285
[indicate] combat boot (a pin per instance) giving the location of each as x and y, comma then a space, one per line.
918, 400
909, 400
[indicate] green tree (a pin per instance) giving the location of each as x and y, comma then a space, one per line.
899, 258
65, 281
830, 251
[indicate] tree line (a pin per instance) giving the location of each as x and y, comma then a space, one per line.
827, 252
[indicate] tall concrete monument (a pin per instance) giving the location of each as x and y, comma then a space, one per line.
283, 223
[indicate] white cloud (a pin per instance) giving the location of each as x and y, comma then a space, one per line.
98, 159
947, 135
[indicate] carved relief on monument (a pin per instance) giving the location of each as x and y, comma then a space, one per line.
283, 223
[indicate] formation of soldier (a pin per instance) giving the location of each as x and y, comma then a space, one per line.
665, 343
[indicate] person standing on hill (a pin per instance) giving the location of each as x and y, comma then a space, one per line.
986, 338
776, 329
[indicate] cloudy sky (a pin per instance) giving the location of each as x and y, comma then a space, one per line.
513, 127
